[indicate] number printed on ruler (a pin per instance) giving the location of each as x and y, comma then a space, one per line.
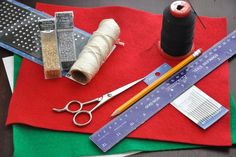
113, 132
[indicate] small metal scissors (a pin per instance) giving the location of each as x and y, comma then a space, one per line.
101, 100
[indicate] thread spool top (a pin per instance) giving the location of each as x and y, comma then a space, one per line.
180, 9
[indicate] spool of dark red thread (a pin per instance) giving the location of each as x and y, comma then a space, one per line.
177, 30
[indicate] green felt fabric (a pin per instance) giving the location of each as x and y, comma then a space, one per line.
233, 118
17, 63
29, 141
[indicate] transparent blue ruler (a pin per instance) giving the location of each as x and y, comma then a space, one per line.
118, 128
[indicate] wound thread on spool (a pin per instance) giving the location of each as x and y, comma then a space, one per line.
95, 53
177, 29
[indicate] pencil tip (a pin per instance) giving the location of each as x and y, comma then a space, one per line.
115, 113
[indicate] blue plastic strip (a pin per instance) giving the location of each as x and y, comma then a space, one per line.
118, 128
150, 78
43, 14
26, 55
22, 54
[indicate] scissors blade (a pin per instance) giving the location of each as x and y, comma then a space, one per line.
122, 89
112, 94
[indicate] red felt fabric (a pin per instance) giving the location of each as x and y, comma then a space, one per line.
34, 97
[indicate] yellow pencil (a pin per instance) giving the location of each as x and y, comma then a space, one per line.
156, 83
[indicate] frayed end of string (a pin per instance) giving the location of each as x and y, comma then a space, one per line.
118, 42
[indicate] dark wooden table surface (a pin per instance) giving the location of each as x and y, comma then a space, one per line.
215, 8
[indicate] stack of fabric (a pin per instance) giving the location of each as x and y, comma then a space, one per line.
38, 131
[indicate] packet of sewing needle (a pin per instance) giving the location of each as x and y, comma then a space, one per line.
199, 107
65, 38
51, 63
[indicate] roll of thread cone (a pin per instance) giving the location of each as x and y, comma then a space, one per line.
178, 29
96, 51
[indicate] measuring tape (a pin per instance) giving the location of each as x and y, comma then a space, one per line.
117, 129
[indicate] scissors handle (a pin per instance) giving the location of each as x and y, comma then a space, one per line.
68, 108
80, 113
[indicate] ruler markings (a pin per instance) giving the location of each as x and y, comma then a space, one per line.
167, 92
